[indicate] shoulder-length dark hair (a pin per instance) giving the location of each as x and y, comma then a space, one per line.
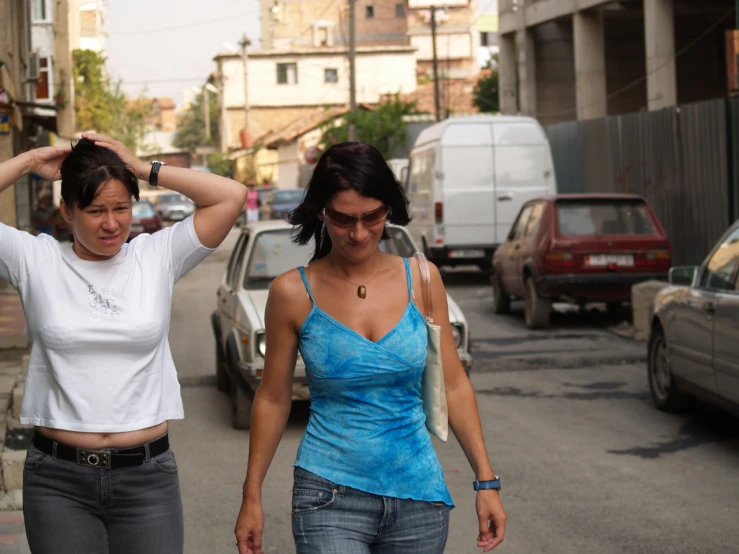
347, 166
87, 168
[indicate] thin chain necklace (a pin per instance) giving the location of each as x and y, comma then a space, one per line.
361, 289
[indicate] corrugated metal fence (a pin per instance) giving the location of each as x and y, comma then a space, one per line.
683, 160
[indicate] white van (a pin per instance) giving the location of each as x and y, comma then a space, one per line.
468, 178
400, 168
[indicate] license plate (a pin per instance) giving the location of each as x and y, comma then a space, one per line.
624, 260
176, 215
137, 228
466, 253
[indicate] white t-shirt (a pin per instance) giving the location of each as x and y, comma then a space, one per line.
100, 358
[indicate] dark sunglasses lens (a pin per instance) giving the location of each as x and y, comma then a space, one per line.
337, 218
375, 217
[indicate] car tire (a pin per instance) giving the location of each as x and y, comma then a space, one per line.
242, 402
501, 300
536, 309
665, 394
223, 381
613, 307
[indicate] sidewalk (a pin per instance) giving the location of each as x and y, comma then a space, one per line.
13, 358
12, 534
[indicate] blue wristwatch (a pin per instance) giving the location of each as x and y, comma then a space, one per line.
487, 485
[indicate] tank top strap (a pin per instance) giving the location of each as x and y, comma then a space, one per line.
409, 279
305, 282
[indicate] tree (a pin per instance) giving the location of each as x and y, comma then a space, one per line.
220, 164
191, 125
486, 91
383, 127
102, 106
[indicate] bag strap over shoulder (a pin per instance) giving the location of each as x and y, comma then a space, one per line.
428, 302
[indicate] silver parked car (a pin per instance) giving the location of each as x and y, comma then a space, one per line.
265, 250
173, 206
694, 335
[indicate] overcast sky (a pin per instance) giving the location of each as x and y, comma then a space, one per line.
168, 45
165, 46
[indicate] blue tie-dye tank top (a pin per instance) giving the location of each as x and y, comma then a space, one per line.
367, 429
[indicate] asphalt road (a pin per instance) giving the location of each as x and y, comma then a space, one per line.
588, 465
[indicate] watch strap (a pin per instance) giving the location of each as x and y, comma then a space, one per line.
154, 173
493, 484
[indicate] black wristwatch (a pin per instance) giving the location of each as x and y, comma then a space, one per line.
154, 174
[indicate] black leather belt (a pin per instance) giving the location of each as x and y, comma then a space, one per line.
104, 459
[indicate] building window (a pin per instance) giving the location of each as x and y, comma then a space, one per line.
370, 11
43, 85
41, 10
287, 74
331, 75
399, 10
484, 39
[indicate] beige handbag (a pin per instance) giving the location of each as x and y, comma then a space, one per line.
433, 391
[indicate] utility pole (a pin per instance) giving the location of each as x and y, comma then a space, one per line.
244, 43
352, 69
206, 107
436, 68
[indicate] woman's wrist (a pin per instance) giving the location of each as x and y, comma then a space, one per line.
142, 171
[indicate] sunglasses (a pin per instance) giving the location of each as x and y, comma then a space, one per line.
347, 221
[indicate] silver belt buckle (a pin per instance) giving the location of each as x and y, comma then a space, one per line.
94, 458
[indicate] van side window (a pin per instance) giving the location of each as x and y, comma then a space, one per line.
421, 171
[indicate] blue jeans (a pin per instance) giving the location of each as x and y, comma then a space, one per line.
333, 519
73, 509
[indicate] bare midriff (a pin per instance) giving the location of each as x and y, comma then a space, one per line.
99, 441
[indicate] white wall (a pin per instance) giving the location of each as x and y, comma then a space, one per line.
288, 166
377, 74
452, 45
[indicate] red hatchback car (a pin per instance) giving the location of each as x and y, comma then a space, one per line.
145, 219
578, 248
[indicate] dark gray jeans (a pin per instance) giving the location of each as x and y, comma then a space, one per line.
72, 509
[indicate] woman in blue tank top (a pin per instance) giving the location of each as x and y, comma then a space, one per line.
366, 478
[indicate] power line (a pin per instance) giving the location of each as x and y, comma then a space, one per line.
186, 26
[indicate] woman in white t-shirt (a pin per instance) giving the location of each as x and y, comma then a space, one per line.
99, 476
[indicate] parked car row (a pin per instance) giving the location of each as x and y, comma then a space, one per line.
263, 251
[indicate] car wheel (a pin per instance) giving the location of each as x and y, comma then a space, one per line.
536, 309
613, 307
242, 402
223, 381
665, 394
501, 300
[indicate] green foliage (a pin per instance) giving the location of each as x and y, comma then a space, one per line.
102, 106
383, 127
486, 97
191, 125
219, 164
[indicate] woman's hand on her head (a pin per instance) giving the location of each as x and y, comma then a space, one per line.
140, 169
249, 528
46, 162
492, 519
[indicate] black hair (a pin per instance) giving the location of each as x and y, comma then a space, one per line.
87, 168
347, 166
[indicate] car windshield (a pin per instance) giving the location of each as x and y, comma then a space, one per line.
577, 218
274, 252
143, 209
287, 196
172, 198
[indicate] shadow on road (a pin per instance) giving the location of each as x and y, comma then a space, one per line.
703, 424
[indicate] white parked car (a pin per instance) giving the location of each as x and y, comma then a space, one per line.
263, 251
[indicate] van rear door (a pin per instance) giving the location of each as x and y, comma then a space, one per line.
467, 184
523, 170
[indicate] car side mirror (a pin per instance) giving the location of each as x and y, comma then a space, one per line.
682, 276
